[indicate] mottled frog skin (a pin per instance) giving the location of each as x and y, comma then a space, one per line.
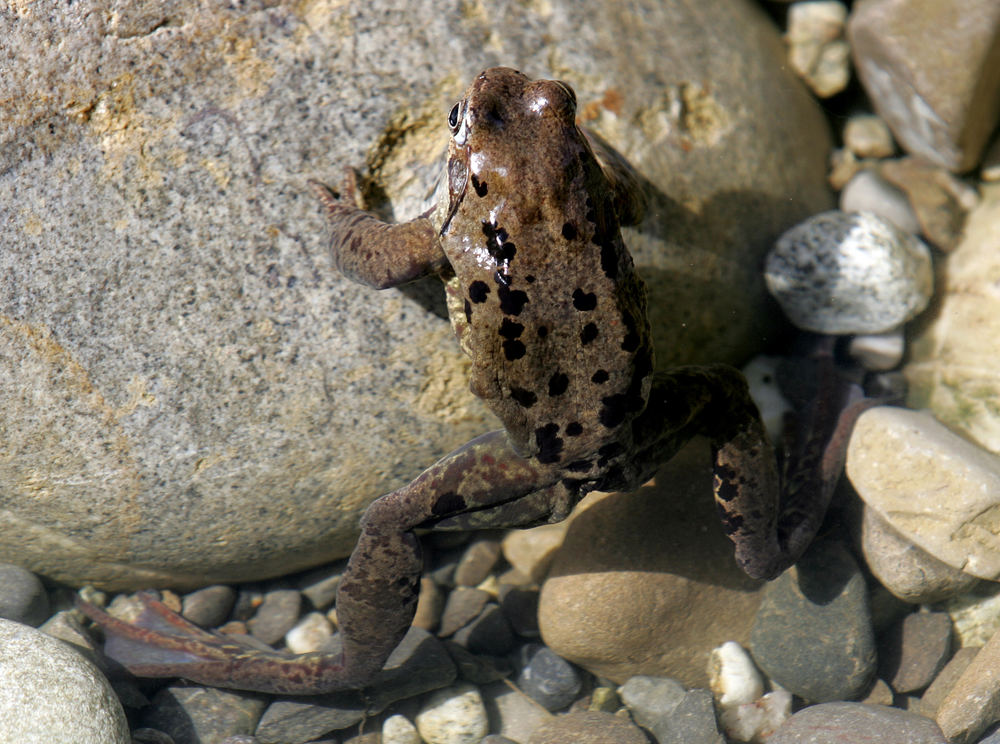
546, 302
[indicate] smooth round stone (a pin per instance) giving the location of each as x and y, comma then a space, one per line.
311, 633
209, 607
512, 712
200, 397
915, 650
954, 357
878, 352
462, 607
549, 680
856, 722
454, 715
588, 727
276, 616
646, 583
849, 273
906, 570
867, 191
813, 632
50, 693
22, 596
397, 729
930, 485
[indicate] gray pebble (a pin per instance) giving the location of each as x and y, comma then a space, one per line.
489, 633
845, 273
463, 605
209, 607
856, 722
477, 562
674, 715
548, 679
189, 714
869, 192
22, 596
813, 631
913, 652
520, 607
276, 616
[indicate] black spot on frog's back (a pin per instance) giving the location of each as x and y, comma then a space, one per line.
512, 301
478, 291
550, 445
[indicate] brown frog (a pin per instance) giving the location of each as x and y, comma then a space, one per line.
545, 300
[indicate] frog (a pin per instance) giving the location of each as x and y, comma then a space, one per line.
546, 302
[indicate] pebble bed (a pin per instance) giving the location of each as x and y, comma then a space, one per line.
876, 634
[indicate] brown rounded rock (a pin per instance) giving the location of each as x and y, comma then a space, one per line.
645, 583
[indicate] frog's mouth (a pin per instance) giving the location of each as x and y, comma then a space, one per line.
458, 182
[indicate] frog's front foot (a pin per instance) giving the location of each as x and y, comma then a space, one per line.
163, 644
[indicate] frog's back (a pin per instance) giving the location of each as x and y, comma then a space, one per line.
548, 305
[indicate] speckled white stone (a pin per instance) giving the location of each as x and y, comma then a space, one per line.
49, 693
454, 715
845, 273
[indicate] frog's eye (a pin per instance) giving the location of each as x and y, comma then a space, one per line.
453, 117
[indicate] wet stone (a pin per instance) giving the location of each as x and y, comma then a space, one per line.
22, 596
856, 722
489, 633
463, 605
209, 607
546, 678
276, 615
915, 650
477, 562
813, 632
203, 713
588, 727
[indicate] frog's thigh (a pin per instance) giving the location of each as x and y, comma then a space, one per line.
714, 400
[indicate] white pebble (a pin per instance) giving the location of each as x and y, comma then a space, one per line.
761, 378
309, 634
869, 192
756, 721
732, 676
397, 729
845, 273
454, 715
878, 352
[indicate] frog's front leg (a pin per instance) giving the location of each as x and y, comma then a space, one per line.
374, 252
377, 595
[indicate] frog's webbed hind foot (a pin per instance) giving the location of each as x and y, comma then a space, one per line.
160, 643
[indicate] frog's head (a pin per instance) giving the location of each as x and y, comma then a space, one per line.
511, 133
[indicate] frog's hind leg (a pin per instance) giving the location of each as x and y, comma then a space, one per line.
714, 400
483, 484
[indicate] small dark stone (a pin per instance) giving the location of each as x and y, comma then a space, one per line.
276, 616
489, 633
209, 607
22, 596
914, 650
813, 631
548, 679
